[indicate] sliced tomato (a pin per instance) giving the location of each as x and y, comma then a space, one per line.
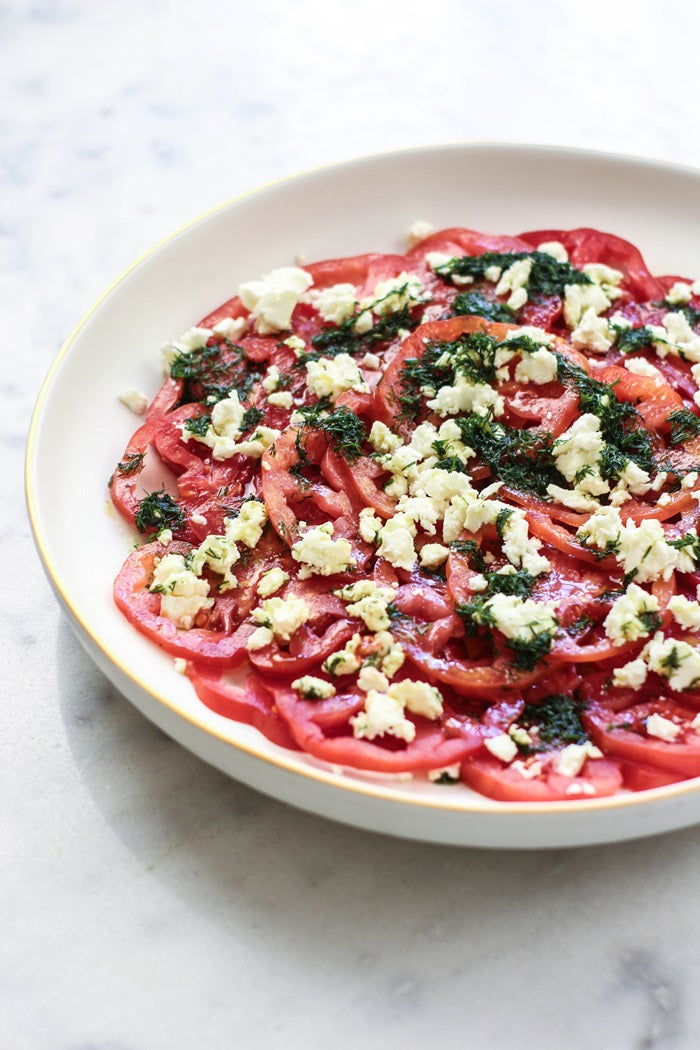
132, 596
507, 783
252, 703
623, 733
588, 246
430, 749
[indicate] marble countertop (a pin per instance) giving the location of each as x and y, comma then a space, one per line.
148, 901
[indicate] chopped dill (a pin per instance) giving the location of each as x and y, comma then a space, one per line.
344, 339
620, 424
198, 425
345, 431
210, 373
477, 305
131, 464
158, 511
632, 340
522, 459
547, 275
684, 426
519, 583
250, 418
472, 551
558, 719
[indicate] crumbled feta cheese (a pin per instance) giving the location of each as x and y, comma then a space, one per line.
539, 367
662, 728
572, 758
281, 399
271, 379
319, 553
446, 773
579, 449
477, 583
313, 688
372, 678
674, 660
372, 609
678, 293
502, 747
180, 665
271, 581
344, 661
554, 248
230, 327
633, 615
272, 299
247, 527
295, 343
578, 298
593, 333
685, 612
220, 553
260, 637
437, 259
574, 498
383, 715
396, 542
536, 335
382, 439
335, 304
182, 594
521, 618
395, 293
603, 275
257, 444
420, 698
135, 400
389, 654
418, 232
433, 554
370, 525
639, 366
284, 616
332, 376
514, 280
645, 552
602, 530
466, 396
631, 675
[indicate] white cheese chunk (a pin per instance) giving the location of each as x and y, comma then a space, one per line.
320, 554
662, 728
313, 688
182, 594
272, 298
332, 376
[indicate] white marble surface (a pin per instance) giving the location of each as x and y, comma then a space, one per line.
148, 901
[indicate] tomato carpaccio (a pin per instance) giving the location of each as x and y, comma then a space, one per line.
436, 513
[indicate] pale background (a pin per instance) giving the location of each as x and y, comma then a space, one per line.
149, 902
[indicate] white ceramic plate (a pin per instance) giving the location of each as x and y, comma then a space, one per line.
364, 205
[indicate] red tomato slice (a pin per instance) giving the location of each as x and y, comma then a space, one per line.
430, 749
132, 596
252, 703
622, 733
488, 776
587, 246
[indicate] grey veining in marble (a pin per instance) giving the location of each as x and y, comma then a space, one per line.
148, 901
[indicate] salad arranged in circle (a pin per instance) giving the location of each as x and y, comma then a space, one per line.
436, 513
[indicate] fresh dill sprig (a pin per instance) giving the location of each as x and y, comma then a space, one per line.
158, 511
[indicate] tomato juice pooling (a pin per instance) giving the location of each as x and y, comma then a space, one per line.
436, 513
